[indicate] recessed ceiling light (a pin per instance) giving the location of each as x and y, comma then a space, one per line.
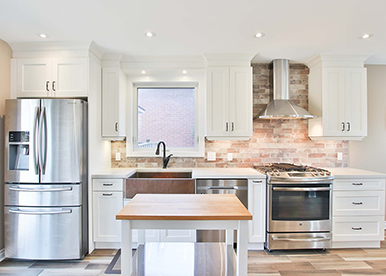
143, 72
43, 35
150, 34
258, 35
365, 36
184, 72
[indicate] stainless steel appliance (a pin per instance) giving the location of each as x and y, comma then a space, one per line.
45, 179
298, 206
238, 187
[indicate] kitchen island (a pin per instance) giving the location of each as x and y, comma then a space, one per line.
154, 211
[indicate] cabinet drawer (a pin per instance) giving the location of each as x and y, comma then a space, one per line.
358, 203
359, 184
357, 228
106, 184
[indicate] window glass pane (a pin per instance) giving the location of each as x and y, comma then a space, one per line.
166, 114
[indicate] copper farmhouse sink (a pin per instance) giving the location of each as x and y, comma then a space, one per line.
159, 183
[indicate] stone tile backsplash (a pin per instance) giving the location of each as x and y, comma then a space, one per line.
272, 140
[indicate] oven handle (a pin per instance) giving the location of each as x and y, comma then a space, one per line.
276, 238
300, 189
221, 188
299, 182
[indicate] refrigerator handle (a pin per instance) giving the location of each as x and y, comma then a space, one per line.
41, 155
36, 149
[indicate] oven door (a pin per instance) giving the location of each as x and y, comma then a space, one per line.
299, 208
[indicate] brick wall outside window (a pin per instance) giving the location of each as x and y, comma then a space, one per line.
272, 140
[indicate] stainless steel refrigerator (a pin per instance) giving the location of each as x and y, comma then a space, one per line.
45, 194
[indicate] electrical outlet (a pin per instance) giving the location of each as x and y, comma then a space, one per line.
211, 156
340, 156
230, 156
118, 156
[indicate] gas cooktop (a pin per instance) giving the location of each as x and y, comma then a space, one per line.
287, 172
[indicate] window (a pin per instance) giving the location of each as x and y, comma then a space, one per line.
169, 114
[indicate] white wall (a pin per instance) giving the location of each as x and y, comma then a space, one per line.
5, 84
370, 153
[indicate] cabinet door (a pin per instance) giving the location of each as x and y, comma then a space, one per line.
334, 123
105, 206
69, 77
33, 78
172, 235
356, 101
240, 108
257, 207
110, 102
218, 101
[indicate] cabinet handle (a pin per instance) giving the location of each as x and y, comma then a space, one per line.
257, 181
47, 86
233, 126
348, 126
226, 126
107, 184
356, 228
53, 86
342, 126
116, 126
357, 203
357, 184
109, 194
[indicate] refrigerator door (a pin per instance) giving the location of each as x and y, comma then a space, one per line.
21, 125
43, 195
43, 233
61, 134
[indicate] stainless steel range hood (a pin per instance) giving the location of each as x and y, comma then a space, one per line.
281, 107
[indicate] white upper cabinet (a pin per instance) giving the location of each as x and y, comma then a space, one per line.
229, 103
51, 77
113, 103
338, 97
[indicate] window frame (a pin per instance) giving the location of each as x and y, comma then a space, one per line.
132, 149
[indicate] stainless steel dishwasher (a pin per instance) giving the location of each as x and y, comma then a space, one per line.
238, 187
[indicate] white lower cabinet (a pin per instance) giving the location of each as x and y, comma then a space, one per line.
358, 212
257, 207
105, 206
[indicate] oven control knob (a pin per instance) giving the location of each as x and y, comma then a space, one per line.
321, 173
277, 174
301, 223
328, 173
272, 173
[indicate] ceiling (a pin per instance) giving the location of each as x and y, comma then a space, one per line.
296, 29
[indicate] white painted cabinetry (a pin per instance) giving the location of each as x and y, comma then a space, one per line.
229, 103
50, 77
358, 212
257, 207
338, 97
113, 103
107, 202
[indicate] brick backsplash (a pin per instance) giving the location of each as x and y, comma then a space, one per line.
272, 140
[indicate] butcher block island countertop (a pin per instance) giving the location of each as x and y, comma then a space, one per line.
185, 211
184, 207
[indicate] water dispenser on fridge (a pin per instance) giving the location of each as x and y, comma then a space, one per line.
18, 157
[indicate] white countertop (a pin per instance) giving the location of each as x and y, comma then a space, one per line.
342, 173
339, 173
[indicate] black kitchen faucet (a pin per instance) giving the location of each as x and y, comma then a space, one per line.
165, 159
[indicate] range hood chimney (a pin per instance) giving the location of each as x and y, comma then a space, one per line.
281, 107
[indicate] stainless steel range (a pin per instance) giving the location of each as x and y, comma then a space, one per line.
298, 206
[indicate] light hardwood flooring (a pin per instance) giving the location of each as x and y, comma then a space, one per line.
331, 262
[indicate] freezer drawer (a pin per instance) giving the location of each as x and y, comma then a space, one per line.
43, 195
43, 233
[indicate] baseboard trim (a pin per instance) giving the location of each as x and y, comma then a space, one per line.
2, 254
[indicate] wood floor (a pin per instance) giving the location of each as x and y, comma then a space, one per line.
260, 263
